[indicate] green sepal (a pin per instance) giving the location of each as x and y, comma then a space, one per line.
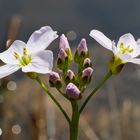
116, 65
80, 58
57, 85
69, 53
68, 80
63, 65
32, 75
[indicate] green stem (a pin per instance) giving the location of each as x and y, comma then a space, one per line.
107, 76
74, 121
64, 95
52, 97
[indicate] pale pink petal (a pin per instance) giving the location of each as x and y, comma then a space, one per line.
134, 60
42, 63
124, 57
128, 58
8, 55
101, 39
40, 39
137, 49
6, 70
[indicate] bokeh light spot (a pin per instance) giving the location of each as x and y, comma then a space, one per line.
71, 35
16, 129
11, 85
0, 131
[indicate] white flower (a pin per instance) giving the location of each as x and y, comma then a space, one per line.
127, 48
30, 57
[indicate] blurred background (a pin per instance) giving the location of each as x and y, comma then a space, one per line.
113, 114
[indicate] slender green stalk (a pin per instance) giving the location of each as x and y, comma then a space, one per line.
74, 125
107, 76
52, 97
64, 95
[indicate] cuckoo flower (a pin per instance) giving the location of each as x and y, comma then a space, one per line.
30, 56
127, 48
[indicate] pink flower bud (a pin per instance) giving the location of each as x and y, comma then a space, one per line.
54, 76
87, 63
82, 47
54, 80
87, 72
72, 91
70, 74
62, 54
64, 44
86, 75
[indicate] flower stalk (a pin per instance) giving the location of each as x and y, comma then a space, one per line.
107, 76
74, 125
53, 98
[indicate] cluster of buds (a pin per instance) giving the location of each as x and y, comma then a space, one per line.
73, 83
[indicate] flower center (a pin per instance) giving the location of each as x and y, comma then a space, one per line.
125, 50
25, 59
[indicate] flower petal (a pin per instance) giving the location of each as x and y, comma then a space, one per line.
128, 58
137, 49
6, 70
40, 39
42, 62
101, 39
134, 60
8, 55
127, 40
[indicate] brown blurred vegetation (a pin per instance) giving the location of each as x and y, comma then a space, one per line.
29, 114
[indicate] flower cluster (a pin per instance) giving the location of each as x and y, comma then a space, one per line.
32, 58
74, 83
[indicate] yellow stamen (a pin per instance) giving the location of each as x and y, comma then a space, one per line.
24, 51
124, 50
25, 59
16, 55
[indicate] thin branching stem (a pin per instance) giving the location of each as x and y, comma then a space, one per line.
106, 77
53, 98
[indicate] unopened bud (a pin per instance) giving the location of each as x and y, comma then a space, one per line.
87, 63
72, 91
69, 76
62, 54
86, 75
62, 61
81, 52
64, 44
82, 48
54, 80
